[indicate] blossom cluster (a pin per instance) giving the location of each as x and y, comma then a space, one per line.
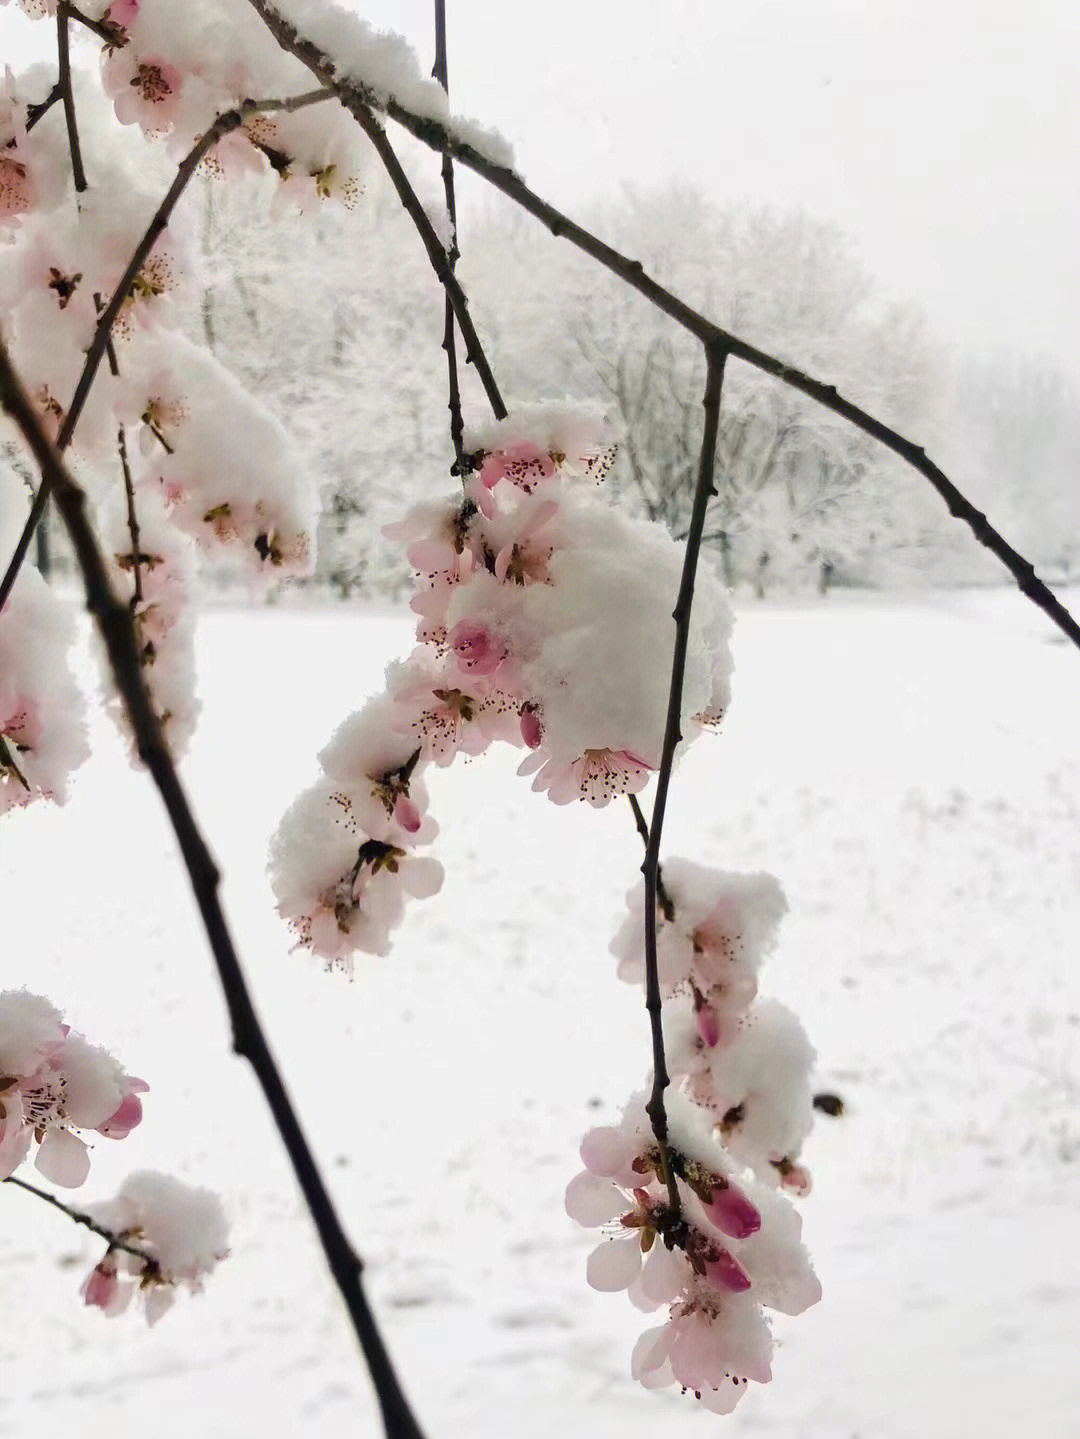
181, 1233
541, 610
731, 1247
720, 1243
745, 1059
54, 1083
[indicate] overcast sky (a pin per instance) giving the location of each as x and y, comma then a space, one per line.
944, 138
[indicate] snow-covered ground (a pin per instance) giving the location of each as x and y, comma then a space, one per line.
910, 771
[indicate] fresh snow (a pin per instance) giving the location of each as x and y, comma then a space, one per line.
909, 771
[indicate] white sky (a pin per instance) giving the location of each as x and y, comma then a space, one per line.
944, 138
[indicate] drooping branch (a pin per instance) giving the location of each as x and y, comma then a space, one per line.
656, 1110
358, 98
439, 73
63, 51
224, 124
440, 260
114, 1241
114, 623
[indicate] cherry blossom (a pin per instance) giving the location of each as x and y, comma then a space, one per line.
732, 1247
180, 1229
52, 1083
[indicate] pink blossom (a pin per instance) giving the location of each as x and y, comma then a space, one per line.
479, 650
598, 776
524, 464
145, 90
55, 1082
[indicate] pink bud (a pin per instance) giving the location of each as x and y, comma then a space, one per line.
708, 1024
407, 814
727, 1273
796, 1177
732, 1213
120, 1124
99, 1289
532, 731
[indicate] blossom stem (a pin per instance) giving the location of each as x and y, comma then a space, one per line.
114, 623
656, 1110
358, 99
114, 1241
440, 262
63, 52
38, 112
132, 521
224, 124
457, 428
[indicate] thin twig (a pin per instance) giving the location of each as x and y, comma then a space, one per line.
63, 52
114, 1241
132, 521
655, 1108
667, 904
223, 125
358, 98
114, 35
114, 623
457, 428
37, 112
440, 261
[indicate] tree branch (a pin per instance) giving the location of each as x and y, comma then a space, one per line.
114, 623
717, 357
358, 98
63, 52
439, 73
223, 125
113, 35
114, 1241
34, 113
440, 261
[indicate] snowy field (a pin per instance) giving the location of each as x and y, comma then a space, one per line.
911, 772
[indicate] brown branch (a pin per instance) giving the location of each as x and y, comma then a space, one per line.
113, 35
114, 1241
457, 427
223, 125
357, 97
655, 1108
114, 623
37, 112
440, 261
63, 52
132, 521
360, 106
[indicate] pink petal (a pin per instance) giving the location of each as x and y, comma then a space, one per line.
63, 1159
651, 1350
591, 1200
120, 1124
608, 1151
614, 1265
